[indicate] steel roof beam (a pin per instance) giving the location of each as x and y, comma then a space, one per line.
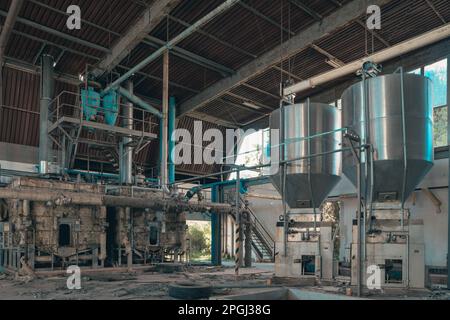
316, 16
192, 57
180, 37
58, 33
339, 18
151, 18
266, 18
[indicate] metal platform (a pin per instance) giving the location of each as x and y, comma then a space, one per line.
69, 128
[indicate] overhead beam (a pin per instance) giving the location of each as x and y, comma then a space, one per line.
374, 33
8, 26
183, 35
214, 38
316, 16
341, 17
192, 57
392, 52
151, 18
264, 17
436, 11
333, 61
5, 34
58, 33
409, 62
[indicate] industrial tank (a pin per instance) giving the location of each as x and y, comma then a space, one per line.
397, 167
308, 186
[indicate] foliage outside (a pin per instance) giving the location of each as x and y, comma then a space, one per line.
200, 240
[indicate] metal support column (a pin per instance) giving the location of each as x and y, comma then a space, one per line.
448, 142
239, 234
172, 118
216, 236
248, 241
47, 89
164, 122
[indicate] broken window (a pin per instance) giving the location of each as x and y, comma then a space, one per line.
64, 235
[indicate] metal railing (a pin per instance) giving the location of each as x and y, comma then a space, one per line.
69, 104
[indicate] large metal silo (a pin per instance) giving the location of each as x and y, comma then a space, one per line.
308, 181
376, 114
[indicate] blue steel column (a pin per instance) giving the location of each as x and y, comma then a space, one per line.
216, 237
171, 147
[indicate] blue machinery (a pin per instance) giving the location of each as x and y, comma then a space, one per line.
91, 102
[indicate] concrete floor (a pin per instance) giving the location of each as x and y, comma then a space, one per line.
147, 284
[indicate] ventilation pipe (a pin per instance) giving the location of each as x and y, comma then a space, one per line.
172, 43
138, 101
47, 90
379, 57
126, 170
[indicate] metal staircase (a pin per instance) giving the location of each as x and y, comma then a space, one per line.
263, 244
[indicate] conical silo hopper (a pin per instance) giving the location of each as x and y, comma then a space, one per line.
398, 167
308, 182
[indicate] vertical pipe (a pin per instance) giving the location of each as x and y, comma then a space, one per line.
47, 88
171, 129
359, 221
248, 241
448, 142
127, 151
216, 258
405, 154
164, 127
238, 239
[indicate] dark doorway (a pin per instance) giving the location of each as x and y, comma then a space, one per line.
111, 246
308, 265
393, 271
64, 235
154, 235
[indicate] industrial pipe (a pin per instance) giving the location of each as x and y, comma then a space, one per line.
183, 35
379, 57
126, 169
47, 90
90, 199
138, 101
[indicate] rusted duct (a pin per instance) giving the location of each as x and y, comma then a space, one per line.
88, 199
5, 34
